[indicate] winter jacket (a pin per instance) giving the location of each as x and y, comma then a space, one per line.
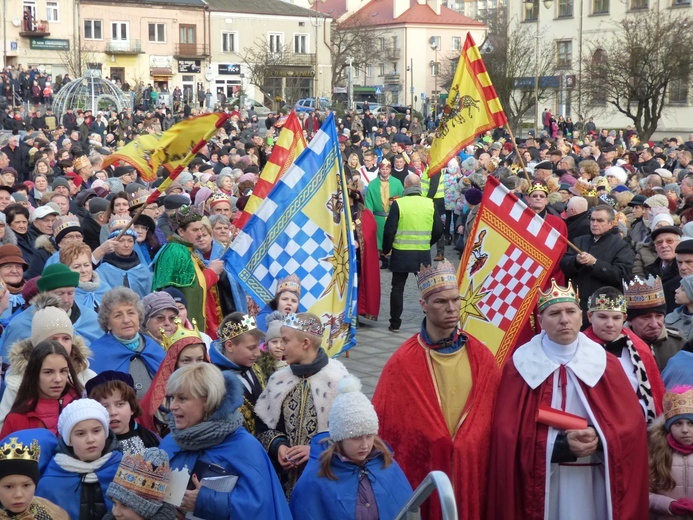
578, 225
681, 320
44, 247
44, 415
645, 254
671, 279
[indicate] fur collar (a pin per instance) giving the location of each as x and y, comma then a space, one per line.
323, 388
45, 242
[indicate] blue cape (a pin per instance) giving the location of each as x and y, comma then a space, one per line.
16, 302
45, 438
91, 299
318, 498
19, 327
257, 495
236, 289
109, 354
139, 277
64, 488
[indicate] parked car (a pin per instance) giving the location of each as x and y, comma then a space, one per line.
308, 104
260, 109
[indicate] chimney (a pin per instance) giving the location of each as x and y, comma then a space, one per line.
399, 7
435, 5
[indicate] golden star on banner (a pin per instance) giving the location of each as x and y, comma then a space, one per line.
340, 265
470, 304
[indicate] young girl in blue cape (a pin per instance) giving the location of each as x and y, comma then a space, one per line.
78, 476
352, 473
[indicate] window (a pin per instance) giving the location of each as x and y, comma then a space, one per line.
52, 12
600, 7
681, 2
435, 68
301, 44
639, 4
369, 71
357, 71
456, 43
157, 32
382, 44
564, 54
229, 42
678, 92
275, 42
119, 31
381, 69
93, 30
565, 8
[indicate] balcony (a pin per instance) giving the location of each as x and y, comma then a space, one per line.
123, 47
191, 50
391, 79
35, 29
296, 59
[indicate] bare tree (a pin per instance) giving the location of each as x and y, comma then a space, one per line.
365, 45
260, 60
641, 67
76, 62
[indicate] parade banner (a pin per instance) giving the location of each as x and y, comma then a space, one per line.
303, 227
472, 107
510, 253
288, 146
149, 152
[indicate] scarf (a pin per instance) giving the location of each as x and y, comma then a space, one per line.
206, 434
448, 345
676, 445
124, 263
131, 344
88, 469
309, 369
93, 285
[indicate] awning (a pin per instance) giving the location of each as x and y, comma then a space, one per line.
161, 71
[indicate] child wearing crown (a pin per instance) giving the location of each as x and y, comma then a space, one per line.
295, 405
19, 475
671, 443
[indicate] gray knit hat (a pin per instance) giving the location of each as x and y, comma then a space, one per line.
352, 414
274, 326
687, 286
47, 322
156, 302
141, 480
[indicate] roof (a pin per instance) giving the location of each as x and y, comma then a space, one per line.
379, 12
180, 3
270, 7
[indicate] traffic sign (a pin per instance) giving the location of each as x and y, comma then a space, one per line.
378, 91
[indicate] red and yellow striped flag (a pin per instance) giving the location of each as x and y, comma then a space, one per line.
288, 147
472, 108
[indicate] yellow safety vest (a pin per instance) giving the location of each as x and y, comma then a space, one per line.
426, 185
415, 223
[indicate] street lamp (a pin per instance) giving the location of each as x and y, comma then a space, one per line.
315, 70
435, 44
350, 84
529, 5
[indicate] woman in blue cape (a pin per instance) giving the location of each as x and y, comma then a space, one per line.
123, 267
78, 476
207, 434
351, 472
123, 348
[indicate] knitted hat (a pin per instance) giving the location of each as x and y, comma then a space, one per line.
64, 225
56, 276
141, 480
78, 411
17, 458
351, 414
48, 321
156, 302
687, 286
184, 177
658, 200
273, 330
678, 405
644, 296
473, 196
177, 295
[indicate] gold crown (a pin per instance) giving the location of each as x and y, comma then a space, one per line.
142, 478
118, 222
233, 330
644, 294
80, 162
65, 222
181, 333
538, 186
434, 279
678, 403
557, 294
138, 197
15, 450
217, 198
290, 283
602, 302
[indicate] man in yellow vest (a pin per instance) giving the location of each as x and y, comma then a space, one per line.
412, 226
433, 188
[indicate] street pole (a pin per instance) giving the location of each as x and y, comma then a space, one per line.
437, 98
350, 83
536, 79
411, 76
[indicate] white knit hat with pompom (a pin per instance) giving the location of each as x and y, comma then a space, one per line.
352, 414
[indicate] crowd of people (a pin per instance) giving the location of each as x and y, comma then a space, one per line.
129, 350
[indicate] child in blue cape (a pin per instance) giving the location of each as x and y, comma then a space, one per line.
350, 474
79, 474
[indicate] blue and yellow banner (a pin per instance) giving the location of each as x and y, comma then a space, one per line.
303, 227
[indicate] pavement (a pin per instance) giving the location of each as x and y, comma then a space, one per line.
374, 342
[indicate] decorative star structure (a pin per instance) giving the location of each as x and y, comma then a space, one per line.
470, 303
340, 266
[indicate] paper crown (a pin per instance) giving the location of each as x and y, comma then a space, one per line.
557, 294
538, 186
290, 283
64, 222
309, 324
676, 403
187, 214
118, 222
15, 450
218, 198
139, 476
601, 182
138, 198
181, 333
80, 162
432, 279
233, 330
602, 302
644, 294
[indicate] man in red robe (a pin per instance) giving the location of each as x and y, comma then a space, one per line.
435, 398
541, 470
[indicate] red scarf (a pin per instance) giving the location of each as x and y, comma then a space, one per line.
676, 445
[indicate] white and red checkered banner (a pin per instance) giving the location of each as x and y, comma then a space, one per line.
510, 253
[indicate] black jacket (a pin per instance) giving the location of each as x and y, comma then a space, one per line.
671, 280
578, 225
615, 260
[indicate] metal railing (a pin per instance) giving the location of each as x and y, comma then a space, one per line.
123, 47
434, 481
35, 28
191, 49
